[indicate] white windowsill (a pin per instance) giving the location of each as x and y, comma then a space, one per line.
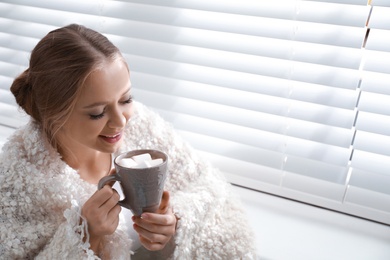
291, 230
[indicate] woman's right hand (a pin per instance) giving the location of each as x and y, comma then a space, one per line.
101, 212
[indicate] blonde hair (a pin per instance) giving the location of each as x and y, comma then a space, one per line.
59, 65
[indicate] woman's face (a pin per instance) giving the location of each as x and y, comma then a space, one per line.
101, 112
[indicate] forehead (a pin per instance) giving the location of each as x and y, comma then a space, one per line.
108, 80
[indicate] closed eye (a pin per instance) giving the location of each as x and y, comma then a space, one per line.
96, 117
128, 101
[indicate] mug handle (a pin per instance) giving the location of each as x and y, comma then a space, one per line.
103, 181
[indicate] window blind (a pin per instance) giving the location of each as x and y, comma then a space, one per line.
285, 97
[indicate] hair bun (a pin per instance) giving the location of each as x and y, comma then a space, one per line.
22, 90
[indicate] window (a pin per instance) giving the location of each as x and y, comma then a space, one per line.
285, 97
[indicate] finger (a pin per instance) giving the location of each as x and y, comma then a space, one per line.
163, 208
151, 246
151, 237
168, 230
106, 226
113, 214
112, 200
102, 195
166, 219
113, 217
159, 224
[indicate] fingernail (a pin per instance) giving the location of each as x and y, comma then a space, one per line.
144, 216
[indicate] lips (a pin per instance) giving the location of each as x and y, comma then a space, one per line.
111, 138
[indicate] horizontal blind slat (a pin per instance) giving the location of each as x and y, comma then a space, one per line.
370, 199
374, 123
376, 82
377, 61
371, 142
374, 103
380, 18
352, 2
24, 28
6, 97
21, 45
5, 82
315, 169
234, 150
380, 3
379, 40
370, 181
371, 162
316, 187
16, 57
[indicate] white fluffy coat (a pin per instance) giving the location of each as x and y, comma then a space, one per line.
41, 199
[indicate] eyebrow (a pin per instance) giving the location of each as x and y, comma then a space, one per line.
96, 104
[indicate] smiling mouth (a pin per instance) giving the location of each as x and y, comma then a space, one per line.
111, 138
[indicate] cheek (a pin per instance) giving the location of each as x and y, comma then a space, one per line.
95, 127
88, 128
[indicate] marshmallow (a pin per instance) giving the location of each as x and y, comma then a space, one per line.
140, 161
140, 158
154, 162
127, 162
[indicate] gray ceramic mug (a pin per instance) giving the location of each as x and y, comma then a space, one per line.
142, 187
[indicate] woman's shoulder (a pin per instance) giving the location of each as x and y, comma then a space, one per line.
30, 166
12, 148
27, 148
20, 140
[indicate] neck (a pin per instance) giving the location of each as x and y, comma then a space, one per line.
90, 166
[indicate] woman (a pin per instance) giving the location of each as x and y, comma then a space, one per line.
77, 91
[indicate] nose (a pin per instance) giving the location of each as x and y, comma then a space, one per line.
118, 119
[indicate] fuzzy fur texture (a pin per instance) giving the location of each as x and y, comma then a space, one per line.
41, 200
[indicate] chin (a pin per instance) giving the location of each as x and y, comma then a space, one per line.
112, 148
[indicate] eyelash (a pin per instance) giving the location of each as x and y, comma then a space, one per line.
96, 117
128, 101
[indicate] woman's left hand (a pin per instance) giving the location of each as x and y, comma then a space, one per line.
155, 230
